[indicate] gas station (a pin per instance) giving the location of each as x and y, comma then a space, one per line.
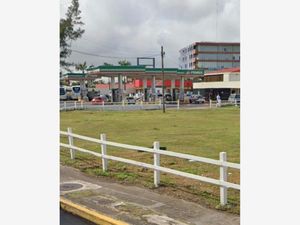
176, 80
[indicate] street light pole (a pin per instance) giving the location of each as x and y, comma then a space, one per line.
163, 77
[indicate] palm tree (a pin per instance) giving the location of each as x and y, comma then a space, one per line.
82, 67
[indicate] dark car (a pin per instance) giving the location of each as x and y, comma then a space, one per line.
130, 100
168, 97
92, 94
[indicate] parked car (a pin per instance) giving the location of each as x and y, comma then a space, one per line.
234, 98
197, 99
130, 100
98, 100
168, 97
92, 94
200, 100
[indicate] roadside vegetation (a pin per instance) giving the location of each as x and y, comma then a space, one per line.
203, 133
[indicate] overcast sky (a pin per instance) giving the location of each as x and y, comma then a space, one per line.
136, 28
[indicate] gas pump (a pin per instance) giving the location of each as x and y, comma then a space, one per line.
115, 95
174, 94
146, 94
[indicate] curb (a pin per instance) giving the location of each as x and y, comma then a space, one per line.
88, 214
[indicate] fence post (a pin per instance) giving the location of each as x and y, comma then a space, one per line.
102, 105
210, 103
71, 143
103, 152
235, 102
81, 105
123, 104
75, 105
156, 163
142, 104
178, 104
65, 105
223, 177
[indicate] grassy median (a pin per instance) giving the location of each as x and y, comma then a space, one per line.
204, 132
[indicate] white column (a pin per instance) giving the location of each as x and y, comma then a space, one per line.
182, 87
156, 158
153, 85
144, 83
83, 90
103, 152
112, 83
71, 143
223, 177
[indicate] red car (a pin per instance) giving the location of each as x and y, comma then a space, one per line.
97, 100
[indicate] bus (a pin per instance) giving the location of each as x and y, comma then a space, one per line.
69, 93
63, 93
76, 92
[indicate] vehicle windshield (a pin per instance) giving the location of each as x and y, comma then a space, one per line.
237, 96
76, 89
62, 91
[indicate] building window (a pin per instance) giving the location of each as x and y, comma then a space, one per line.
213, 78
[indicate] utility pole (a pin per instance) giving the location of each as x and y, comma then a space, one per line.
163, 77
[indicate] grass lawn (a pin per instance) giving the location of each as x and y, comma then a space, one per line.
204, 132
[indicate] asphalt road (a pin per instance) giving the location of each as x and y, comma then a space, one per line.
69, 219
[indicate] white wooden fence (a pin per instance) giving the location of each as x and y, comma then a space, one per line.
222, 162
215, 104
120, 106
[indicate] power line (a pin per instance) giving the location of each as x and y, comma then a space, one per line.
101, 45
110, 57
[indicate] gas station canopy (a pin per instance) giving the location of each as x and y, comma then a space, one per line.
140, 72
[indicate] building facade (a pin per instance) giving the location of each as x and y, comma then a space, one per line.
210, 56
223, 82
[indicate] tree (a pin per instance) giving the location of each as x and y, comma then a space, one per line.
82, 67
70, 30
124, 63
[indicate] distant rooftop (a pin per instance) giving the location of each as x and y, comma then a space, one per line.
216, 43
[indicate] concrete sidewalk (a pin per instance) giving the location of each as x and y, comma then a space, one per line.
136, 205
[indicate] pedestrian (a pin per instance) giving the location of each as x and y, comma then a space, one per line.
218, 100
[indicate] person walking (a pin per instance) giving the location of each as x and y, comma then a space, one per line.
218, 101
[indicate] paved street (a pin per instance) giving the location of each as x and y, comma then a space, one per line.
69, 219
138, 206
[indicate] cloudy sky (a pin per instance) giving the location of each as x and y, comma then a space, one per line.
126, 29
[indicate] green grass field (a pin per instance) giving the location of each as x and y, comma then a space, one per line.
204, 132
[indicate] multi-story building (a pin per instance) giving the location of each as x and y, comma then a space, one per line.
210, 56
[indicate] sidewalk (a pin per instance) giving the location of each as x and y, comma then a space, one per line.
136, 205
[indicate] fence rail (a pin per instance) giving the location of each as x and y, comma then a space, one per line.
222, 163
138, 105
